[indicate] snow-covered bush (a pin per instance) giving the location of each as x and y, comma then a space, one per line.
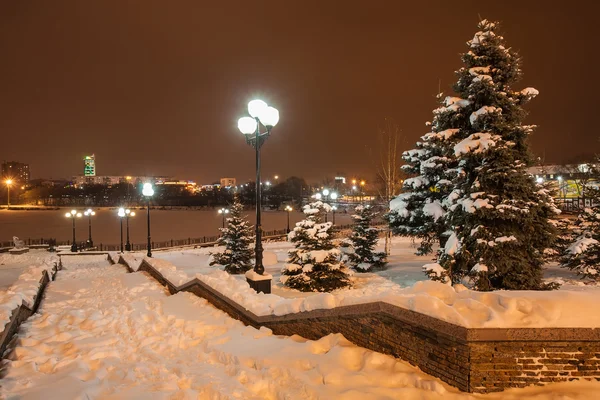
363, 239
583, 254
314, 265
237, 238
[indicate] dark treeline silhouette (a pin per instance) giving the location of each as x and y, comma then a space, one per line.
289, 191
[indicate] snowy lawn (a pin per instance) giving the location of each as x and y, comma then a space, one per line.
103, 333
402, 284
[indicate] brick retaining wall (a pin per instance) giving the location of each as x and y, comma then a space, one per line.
473, 360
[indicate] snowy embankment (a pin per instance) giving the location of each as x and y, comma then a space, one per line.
27, 284
104, 333
572, 306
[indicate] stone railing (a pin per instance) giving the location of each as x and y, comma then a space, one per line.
473, 360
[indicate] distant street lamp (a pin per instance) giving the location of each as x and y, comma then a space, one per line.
89, 214
148, 192
128, 213
288, 209
334, 197
223, 211
121, 214
72, 215
8, 183
327, 195
362, 190
260, 114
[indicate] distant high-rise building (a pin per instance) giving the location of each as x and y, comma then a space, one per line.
89, 165
226, 182
17, 171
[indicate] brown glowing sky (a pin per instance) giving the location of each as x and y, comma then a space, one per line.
156, 87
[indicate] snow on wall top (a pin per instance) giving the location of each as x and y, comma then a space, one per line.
456, 305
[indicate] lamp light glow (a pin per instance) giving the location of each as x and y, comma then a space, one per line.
270, 117
148, 190
257, 109
121, 212
247, 125
326, 192
333, 196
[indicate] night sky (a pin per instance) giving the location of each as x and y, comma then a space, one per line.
157, 87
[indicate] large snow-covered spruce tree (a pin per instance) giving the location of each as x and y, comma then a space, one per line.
237, 238
363, 239
314, 265
499, 218
419, 211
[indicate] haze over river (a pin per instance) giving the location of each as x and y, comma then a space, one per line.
165, 224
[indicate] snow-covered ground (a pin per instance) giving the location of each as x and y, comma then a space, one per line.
104, 334
402, 284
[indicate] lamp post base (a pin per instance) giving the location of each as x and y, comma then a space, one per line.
260, 283
74, 248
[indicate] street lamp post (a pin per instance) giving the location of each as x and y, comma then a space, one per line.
8, 183
89, 214
260, 114
148, 192
72, 215
288, 209
334, 197
327, 195
223, 211
121, 214
128, 213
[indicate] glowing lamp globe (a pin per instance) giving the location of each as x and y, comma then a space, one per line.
78, 215
326, 192
147, 190
318, 196
132, 214
247, 125
334, 196
121, 212
270, 117
257, 108
68, 215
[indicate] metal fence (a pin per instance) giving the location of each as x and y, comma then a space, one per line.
574, 204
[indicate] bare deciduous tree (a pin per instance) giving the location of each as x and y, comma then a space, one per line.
388, 169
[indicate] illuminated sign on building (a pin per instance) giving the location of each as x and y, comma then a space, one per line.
89, 166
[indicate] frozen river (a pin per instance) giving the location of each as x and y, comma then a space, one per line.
165, 224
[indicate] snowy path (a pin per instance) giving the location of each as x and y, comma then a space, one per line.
103, 333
